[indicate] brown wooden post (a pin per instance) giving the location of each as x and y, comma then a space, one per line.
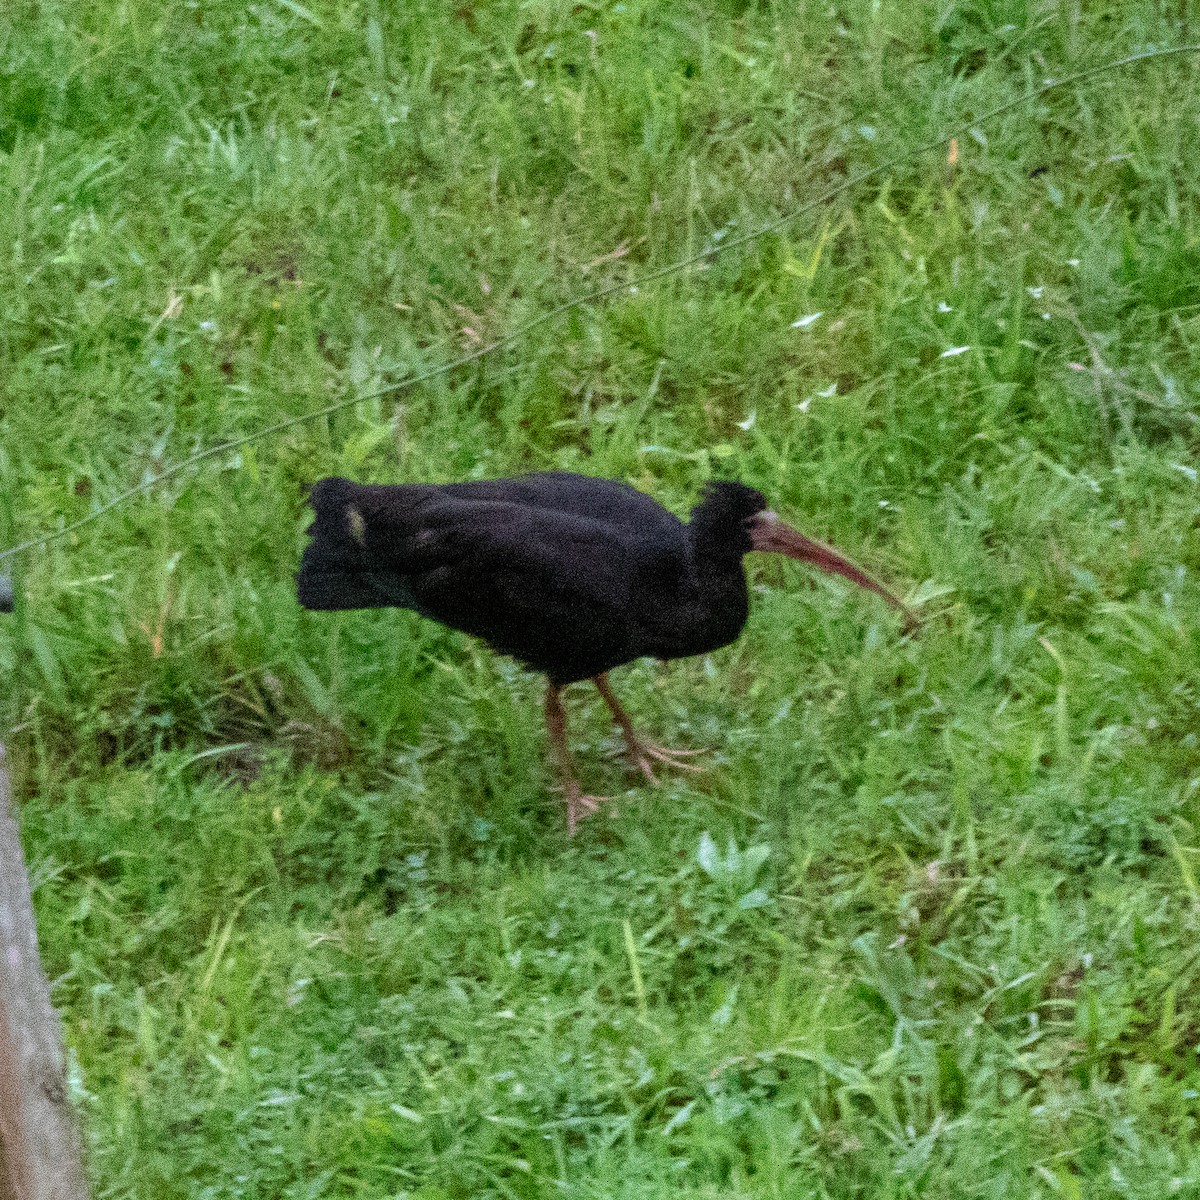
39, 1146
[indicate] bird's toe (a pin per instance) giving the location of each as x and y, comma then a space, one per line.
666, 754
580, 806
642, 762
644, 752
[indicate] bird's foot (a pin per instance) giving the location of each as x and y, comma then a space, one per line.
641, 754
580, 806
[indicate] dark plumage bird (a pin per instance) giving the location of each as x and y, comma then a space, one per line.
570, 575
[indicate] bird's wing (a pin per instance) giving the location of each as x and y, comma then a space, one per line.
550, 588
553, 588
605, 500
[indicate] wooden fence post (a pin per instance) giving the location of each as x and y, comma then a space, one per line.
39, 1145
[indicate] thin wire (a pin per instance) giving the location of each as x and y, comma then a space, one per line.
602, 293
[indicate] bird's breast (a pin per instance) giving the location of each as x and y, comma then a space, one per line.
697, 617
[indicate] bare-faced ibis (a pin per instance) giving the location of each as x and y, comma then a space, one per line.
570, 575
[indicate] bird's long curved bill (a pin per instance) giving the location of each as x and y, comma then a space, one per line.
768, 533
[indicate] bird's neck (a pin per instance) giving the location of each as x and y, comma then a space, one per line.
721, 580
715, 547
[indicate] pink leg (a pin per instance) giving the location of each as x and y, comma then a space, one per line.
578, 805
641, 752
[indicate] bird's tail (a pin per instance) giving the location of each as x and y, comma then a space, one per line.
336, 571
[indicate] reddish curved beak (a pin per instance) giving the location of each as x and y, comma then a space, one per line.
773, 536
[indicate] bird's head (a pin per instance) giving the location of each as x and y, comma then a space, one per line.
738, 518
721, 521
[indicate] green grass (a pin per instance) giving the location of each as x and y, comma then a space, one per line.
928, 928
